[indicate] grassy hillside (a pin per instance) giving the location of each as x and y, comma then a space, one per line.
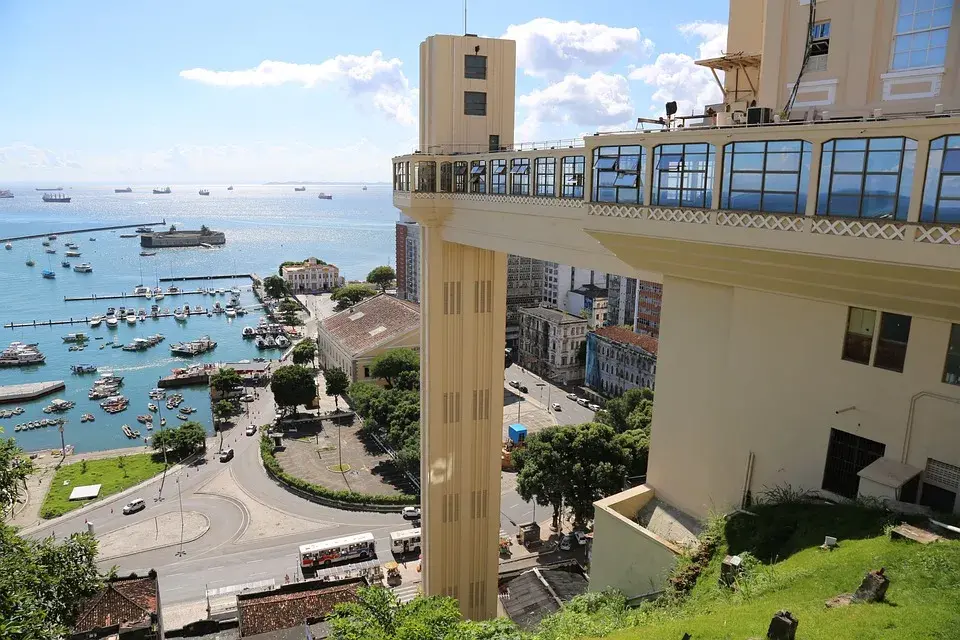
923, 602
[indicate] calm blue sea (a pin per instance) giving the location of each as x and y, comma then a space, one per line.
264, 225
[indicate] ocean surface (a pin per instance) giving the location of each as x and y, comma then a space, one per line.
264, 225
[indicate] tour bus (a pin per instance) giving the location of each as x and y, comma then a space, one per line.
405, 541
346, 549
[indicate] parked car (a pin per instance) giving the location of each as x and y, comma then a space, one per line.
572, 396
556, 406
226, 455
133, 506
523, 389
411, 513
580, 537
247, 398
566, 542
593, 407
583, 402
252, 429
514, 383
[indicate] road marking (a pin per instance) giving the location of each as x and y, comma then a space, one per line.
252, 561
168, 589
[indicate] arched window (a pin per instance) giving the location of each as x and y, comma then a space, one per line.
867, 177
941, 190
766, 176
683, 175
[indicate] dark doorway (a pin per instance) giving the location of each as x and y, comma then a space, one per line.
847, 455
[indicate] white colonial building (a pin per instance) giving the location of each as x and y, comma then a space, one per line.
311, 276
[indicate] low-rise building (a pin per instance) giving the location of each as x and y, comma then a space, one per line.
550, 342
127, 608
619, 359
353, 338
590, 302
293, 608
312, 276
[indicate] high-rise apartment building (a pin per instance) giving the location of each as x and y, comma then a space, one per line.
807, 239
408, 259
525, 277
561, 279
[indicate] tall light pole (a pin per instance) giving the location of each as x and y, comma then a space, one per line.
181, 552
163, 449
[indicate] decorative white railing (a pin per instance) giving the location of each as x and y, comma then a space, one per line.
859, 228
692, 216
938, 235
753, 220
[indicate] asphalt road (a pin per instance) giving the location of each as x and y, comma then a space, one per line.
546, 394
220, 558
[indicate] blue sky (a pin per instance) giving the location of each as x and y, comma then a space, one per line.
136, 91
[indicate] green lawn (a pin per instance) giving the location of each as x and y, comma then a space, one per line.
107, 472
922, 602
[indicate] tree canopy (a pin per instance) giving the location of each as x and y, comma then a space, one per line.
293, 385
391, 364
305, 351
394, 414
42, 583
181, 441
275, 287
632, 410
349, 295
337, 384
225, 380
377, 615
382, 277
223, 410
573, 465
297, 263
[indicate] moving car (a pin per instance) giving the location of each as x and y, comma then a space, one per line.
514, 383
571, 396
593, 407
133, 506
523, 388
252, 429
566, 542
583, 402
247, 398
411, 513
556, 406
226, 455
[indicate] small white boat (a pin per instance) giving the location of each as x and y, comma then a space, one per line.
231, 312
9, 245
158, 295
283, 342
131, 318
95, 321
249, 332
270, 342
260, 342
83, 267
140, 290
112, 323
179, 316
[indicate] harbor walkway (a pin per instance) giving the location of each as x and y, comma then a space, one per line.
84, 230
28, 391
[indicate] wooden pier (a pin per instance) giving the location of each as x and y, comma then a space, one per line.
228, 276
86, 319
86, 230
135, 296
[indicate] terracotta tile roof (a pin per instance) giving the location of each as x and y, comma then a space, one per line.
619, 334
374, 322
275, 611
124, 601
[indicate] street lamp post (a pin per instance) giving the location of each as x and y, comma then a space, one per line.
181, 552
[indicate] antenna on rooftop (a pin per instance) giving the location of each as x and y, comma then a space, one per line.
464, 17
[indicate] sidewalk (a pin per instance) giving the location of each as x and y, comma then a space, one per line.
155, 533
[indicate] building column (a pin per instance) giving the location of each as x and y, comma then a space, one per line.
463, 310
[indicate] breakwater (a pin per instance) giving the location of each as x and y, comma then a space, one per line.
84, 230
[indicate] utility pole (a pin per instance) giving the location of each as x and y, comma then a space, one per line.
163, 449
63, 446
180, 498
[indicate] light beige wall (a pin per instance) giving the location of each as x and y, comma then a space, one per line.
442, 85
625, 556
741, 370
409, 341
860, 57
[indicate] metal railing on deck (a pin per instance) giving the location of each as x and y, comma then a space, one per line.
474, 149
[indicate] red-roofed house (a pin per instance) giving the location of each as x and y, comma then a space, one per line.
293, 605
352, 338
128, 608
619, 359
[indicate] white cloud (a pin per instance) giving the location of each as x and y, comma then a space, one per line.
188, 164
676, 77
599, 100
548, 47
371, 76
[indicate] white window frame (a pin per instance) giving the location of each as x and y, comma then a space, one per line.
937, 4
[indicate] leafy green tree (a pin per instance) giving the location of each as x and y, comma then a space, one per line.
363, 395
632, 410
290, 319
349, 295
42, 583
182, 441
14, 469
498, 629
287, 305
409, 381
377, 615
225, 380
636, 446
293, 385
223, 410
382, 277
337, 384
542, 465
391, 364
305, 351
275, 287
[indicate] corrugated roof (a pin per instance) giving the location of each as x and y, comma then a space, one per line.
373, 322
528, 600
620, 334
275, 611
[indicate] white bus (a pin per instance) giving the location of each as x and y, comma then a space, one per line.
326, 552
405, 541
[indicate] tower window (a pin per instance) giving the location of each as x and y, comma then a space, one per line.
819, 46
475, 67
474, 103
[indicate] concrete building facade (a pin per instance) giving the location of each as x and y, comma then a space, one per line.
619, 359
525, 278
621, 300
561, 279
550, 342
408, 259
810, 267
312, 276
649, 303
589, 302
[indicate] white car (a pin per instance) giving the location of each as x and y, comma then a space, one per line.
133, 506
411, 513
247, 398
580, 537
252, 429
514, 383
556, 406
593, 407
572, 396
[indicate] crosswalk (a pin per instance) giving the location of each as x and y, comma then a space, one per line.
407, 592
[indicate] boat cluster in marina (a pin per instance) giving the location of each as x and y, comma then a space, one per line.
142, 344
59, 406
37, 424
194, 347
9, 413
267, 335
115, 404
19, 354
105, 386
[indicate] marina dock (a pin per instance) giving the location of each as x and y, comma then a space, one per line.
86, 230
30, 391
86, 319
124, 296
228, 276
